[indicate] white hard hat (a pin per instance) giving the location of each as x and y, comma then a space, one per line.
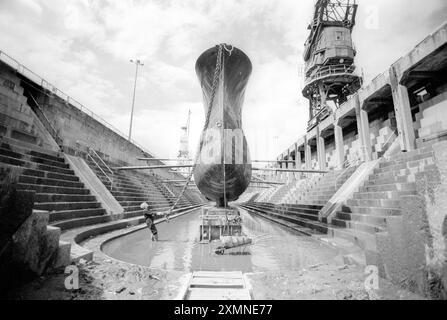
144, 205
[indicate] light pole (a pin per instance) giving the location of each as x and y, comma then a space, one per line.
137, 64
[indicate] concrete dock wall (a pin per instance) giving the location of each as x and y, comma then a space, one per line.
388, 95
17, 120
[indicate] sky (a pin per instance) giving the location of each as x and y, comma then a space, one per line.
83, 47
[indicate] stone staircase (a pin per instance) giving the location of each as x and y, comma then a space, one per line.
298, 191
303, 218
366, 213
248, 197
280, 192
131, 188
58, 189
315, 190
310, 196
267, 194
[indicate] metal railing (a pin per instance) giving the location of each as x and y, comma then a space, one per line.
45, 122
393, 136
24, 71
102, 161
100, 168
331, 70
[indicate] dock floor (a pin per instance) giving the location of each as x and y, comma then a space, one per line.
210, 285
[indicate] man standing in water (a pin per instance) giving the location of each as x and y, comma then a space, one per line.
150, 217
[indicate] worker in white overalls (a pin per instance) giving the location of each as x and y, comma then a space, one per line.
149, 216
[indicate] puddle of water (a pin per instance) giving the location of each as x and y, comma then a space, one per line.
274, 248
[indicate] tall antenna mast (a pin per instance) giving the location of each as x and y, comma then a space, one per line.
183, 154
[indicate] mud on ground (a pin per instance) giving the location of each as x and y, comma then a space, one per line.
105, 278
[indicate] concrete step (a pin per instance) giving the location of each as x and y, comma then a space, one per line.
304, 230
389, 203
430, 141
409, 186
73, 214
321, 194
302, 215
32, 149
324, 190
364, 240
389, 180
127, 191
59, 206
415, 157
372, 210
382, 195
156, 206
365, 218
406, 172
312, 214
33, 165
143, 198
398, 173
55, 197
131, 208
406, 165
41, 188
138, 203
40, 173
304, 206
25, 179
296, 210
315, 198
132, 198
63, 253
325, 185
102, 167
314, 225
405, 155
81, 222
121, 184
117, 193
357, 225
320, 203
49, 174
33, 158
133, 214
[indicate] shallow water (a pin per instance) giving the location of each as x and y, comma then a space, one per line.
274, 248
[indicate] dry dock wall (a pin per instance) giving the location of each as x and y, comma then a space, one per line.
407, 102
412, 252
17, 120
78, 129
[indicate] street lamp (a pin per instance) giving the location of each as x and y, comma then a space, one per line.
137, 64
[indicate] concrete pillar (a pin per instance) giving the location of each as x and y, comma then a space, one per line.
402, 109
297, 157
321, 151
363, 128
289, 157
339, 145
298, 160
307, 155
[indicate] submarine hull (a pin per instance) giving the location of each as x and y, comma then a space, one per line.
223, 170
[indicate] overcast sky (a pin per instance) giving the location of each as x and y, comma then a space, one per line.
83, 47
